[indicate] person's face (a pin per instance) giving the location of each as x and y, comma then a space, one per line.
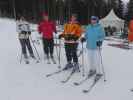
73, 18
22, 19
45, 18
93, 21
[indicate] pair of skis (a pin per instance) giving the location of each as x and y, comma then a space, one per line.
96, 80
92, 85
62, 70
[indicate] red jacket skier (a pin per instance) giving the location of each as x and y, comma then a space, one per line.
47, 29
130, 34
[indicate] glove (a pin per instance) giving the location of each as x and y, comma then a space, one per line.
29, 33
55, 32
61, 36
99, 43
39, 32
83, 40
23, 32
75, 38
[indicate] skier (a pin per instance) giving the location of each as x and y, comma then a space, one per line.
72, 32
23, 29
130, 34
94, 36
47, 28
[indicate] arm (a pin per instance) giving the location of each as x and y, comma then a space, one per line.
101, 34
64, 32
84, 38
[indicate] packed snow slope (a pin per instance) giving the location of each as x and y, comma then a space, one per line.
28, 82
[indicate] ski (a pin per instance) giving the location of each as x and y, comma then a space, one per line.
69, 77
54, 73
96, 80
83, 81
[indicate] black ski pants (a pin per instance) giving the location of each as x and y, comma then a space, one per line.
71, 52
25, 43
48, 46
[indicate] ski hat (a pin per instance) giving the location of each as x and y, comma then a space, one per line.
95, 18
45, 14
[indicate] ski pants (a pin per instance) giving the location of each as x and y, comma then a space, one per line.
71, 52
48, 46
25, 43
94, 60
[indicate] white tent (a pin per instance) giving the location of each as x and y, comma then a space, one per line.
112, 20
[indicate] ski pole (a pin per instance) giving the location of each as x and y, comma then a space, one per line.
59, 54
21, 58
83, 70
35, 48
102, 66
56, 44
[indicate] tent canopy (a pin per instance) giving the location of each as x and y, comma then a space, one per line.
112, 20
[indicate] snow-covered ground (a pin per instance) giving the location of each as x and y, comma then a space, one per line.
28, 82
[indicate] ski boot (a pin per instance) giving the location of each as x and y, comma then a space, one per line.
68, 66
32, 56
92, 73
26, 59
97, 77
48, 60
76, 67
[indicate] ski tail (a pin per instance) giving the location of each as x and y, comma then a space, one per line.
93, 84
83, 81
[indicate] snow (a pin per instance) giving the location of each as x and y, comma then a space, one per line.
28, 82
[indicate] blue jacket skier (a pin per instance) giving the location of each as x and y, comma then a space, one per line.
94, 37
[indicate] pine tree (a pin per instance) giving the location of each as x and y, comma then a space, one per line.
130, 11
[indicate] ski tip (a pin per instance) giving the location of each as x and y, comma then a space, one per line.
85, 91
59, 67
48, 75
131, 90
76, 84
83, 75
105, 80
37, 62
63, 82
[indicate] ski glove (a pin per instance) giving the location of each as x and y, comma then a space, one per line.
61, 36
29, 33
99, 43
83, 40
